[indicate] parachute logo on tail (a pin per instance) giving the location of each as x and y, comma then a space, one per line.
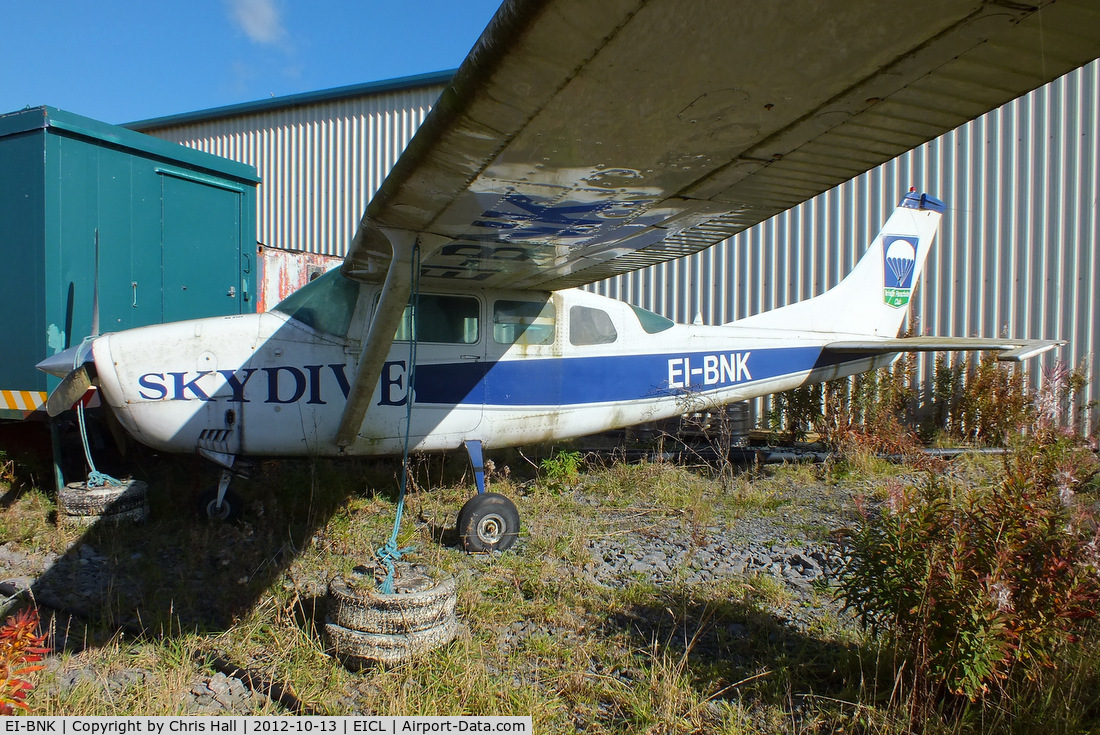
897, 270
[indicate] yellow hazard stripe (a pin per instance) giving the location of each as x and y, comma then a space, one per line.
22, 400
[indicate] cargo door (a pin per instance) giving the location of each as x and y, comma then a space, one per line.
201, 238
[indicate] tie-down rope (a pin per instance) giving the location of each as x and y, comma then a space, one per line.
390, 553
95, 477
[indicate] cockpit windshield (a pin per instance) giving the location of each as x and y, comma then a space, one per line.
325, 304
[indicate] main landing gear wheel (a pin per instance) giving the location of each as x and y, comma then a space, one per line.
229, 511
488, 522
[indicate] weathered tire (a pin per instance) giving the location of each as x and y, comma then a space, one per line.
230, 509
132, 515
357, 649
77, 499
419, 602
488, 522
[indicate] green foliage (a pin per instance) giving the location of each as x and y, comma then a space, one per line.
868, 412
981, 402
974, 399
562, 471
7, 468
871, 413
861, 415
542, 636
793, 413
974, 584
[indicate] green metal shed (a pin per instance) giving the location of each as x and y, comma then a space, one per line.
174, 228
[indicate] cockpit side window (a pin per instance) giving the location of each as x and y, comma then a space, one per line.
652, 323
325, 304
444, 319
523, 322
588, 326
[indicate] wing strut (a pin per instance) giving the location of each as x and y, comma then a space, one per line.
376, 347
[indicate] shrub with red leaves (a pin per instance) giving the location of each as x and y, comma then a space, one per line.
20, 651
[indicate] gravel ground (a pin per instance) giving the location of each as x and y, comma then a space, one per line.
791, 542
794, 546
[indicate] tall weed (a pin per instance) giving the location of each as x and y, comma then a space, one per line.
561, 471
869, 413
982, 402
979, 585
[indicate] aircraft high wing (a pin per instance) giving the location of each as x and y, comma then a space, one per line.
580, 140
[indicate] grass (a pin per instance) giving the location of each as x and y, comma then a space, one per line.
540, 637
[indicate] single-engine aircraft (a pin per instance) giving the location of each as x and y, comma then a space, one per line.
577, 141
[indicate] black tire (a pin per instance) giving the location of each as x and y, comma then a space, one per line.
488, 522
357, 649
77, 499
132, 515
230, 509
418, 602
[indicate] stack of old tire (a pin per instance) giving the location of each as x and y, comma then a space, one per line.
81, 505
365, 626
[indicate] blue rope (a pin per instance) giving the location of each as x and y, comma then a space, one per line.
390, 553
95, 477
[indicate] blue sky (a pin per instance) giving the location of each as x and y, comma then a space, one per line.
126, 60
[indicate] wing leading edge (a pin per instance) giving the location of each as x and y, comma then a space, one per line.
580, 140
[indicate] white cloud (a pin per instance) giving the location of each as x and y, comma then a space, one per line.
259, 19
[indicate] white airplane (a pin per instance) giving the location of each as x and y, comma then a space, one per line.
577, 141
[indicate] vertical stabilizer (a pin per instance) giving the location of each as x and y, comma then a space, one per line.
872, 300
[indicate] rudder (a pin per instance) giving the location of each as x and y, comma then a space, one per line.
873, 299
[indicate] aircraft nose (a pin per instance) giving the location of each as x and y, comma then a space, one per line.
75, 367
66, 361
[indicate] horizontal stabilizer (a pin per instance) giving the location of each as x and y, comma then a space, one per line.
1011, 350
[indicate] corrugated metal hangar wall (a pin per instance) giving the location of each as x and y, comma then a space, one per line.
1016, 254
320, 157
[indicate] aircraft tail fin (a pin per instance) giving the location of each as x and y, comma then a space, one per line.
872, 300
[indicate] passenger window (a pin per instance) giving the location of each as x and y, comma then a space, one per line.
524, 322
446, 319
590, 327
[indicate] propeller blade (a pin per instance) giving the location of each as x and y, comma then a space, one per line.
71, 389
74, 362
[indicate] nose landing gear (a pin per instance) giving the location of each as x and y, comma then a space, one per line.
220, 503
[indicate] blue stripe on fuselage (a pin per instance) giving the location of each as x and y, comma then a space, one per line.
584, 380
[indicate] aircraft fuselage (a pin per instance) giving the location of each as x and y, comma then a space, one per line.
505, 368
